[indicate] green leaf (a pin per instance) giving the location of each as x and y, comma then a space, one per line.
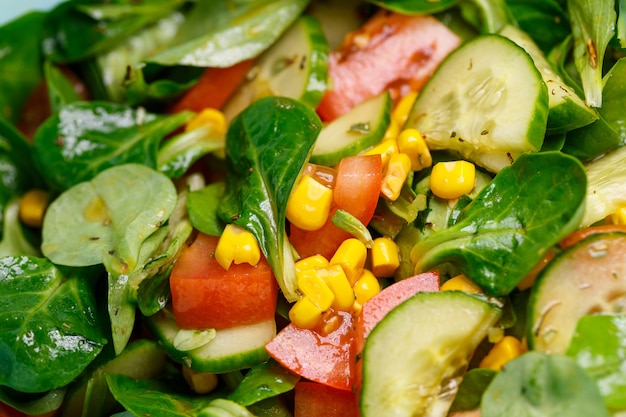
593, 27
415, 6
41, 404
267, 147
49, 326
60, 89
263, 381
598, 347
108, 217
14, 240
218, 34
537, 384
613, 99
527, 208
471, 389
202, 207
85, 138
544, 20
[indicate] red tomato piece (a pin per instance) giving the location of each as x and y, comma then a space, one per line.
581, 234
205, 295
213, 89
357, 187
315, 356
318, 400
389, 52
8, 411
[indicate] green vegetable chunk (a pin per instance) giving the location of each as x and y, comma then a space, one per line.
506, 230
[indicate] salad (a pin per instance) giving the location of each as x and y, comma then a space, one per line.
312, 208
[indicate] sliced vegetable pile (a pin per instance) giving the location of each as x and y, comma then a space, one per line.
309, 209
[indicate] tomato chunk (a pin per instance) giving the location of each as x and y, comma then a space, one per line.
317, 400
356, 190
205, 295
214, 88
323, 358
391, 52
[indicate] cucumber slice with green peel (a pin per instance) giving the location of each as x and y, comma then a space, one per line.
296, 66
486, 102
567, 110
360, 128
415, 356
587, 278
228, 350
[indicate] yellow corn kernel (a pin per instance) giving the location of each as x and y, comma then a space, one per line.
452, 179
309, 204
311, 262
351, 255
366, 287
385, 149
237, 245
385, 257
200, 382
503, 351
397, 171
392, 131
618, 216
208, 117
305, 314
33, 205
403, 108
461, 283
313, 286
411, 142
337, 281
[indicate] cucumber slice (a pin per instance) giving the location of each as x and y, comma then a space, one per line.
567, 110
415, 356
296, 66
606, 186
587, 278
230, 350
486, 101
353, 132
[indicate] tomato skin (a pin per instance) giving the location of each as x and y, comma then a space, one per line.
356, 190
584, 233
318, 400
360, 68
205, 295
315, 356
213, 89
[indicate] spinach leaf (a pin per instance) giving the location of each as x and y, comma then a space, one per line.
593, 27
527, 208
598, 347
263, 381
415, 7
613, 99
14, 241
544, 20
202, 207
20, 61
537, 384
155, 85
621, 24
60, 90
85, 138
110, 216
267, 146
49, 325
34, 404
157, 397
219, 34
471, 389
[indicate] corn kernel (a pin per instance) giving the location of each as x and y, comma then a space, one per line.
305, 314
309, 204
337, 281
392, 131
313, 286
366, 287
385, 257
403, 108
237, 245
209, 116
503, 351
385, 149
311, 262
461, 283
33, 205
452, 179
618, 216
351, 255
199, 382
411, 142
397, 171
